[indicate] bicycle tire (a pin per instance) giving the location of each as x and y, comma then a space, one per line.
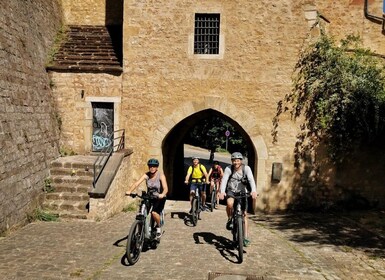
213, 199
194, 213
135, 240
240, 235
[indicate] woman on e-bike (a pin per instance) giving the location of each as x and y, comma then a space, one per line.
157, 185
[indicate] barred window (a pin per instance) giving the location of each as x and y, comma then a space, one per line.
206, 34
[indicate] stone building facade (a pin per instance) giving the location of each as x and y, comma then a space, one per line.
29, 134
165, 89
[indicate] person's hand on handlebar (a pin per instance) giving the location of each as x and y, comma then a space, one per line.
222, 196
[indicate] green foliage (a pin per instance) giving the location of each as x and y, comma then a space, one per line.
42, 215
131, 207
210, 134
58, 40
48, 188
64, 151
338, 95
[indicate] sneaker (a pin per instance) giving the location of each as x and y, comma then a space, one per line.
246, 242
229, 224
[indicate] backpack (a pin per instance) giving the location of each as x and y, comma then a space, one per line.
244, 179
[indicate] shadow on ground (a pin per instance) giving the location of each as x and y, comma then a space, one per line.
345, 230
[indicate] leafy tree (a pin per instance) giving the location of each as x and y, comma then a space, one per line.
210, 134
338, 96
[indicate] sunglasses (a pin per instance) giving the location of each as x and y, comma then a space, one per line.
152, 166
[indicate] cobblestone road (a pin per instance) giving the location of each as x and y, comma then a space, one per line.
283, 247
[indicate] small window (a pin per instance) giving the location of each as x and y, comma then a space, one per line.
206, 34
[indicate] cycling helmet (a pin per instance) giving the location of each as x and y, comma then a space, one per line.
236, 155
153, 162
194, 157
216, 162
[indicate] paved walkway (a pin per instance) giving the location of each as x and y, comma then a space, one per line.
283, 247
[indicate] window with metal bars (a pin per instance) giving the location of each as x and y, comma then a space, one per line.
206, 34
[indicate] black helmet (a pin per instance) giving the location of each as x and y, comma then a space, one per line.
153, 162
236, 155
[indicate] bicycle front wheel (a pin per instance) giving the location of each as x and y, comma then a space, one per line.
135, 242
240, 238
195, 211
213, 199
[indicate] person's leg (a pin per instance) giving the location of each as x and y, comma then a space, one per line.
203, 194
229, 211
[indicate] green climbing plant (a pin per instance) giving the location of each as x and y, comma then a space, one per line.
337, 97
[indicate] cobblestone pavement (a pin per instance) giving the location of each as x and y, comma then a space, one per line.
300, 246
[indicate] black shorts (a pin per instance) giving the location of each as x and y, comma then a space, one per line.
158, 205
243, 200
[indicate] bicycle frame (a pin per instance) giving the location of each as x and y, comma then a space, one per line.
142, 230
238, 230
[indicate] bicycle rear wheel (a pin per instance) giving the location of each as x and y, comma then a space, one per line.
135, 242
240, 235
195, 211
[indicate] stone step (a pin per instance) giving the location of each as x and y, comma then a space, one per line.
79, 188
72, 180
72, 215
71, 196
77, 56
66, 205
69, 171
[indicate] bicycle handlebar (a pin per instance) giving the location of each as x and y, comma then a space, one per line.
144, 195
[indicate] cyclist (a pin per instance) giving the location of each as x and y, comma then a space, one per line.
235, 179
199, 177
156, 184
215, 176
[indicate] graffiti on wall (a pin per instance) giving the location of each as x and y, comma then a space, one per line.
103, 126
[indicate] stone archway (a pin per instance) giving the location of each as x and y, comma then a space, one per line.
167, 141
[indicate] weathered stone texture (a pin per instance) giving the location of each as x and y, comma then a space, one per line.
163, 83
29, 131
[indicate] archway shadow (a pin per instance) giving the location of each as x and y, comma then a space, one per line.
326, 229
224, 245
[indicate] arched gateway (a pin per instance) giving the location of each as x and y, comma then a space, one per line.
168, 141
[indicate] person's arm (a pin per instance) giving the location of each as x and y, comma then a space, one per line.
250, 178
189, 171
164, 186
205, 173
210, 171
136, 184
226, 176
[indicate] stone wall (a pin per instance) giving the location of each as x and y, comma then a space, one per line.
164, 83
28, 121
92, 12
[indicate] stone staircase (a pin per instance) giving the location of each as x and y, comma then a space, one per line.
71, 180
89, 48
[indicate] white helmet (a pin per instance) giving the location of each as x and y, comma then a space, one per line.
236, 155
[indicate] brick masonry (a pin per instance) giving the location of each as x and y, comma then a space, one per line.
28, 120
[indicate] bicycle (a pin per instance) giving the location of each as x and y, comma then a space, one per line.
196, 205
143, 230
238, 220
214, 197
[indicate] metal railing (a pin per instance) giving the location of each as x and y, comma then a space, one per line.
105, 154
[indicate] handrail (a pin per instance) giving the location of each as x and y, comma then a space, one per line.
106, 153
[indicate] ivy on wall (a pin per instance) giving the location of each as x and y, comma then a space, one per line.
338, 98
